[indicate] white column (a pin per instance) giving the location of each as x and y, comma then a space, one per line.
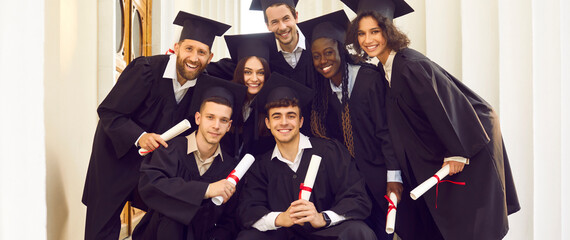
71, 62
443, 34
516, 104
414, 24
106, 39
481, 48
547, 118
22, 143
565, 111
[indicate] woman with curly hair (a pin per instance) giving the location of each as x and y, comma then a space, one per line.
435, 120
349, 106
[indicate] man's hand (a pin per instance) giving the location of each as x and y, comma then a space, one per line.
454, 167
221, 188
151, 141
284, 219
396, 188
304, 211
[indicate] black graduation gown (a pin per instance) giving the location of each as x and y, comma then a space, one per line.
372, 143
432, 115
223, 68
141, 100
245, 134
272, 186
171, 186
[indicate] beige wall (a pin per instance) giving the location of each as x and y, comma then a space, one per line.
70, 118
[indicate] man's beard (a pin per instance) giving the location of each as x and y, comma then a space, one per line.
181, 69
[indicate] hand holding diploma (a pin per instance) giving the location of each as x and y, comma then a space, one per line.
391, 216
236, 175
307, 186
435, 179
166, 136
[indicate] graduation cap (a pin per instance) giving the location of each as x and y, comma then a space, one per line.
388, 8
209, 86
245, 45
332, 25
199, 28
261, 5
280, 87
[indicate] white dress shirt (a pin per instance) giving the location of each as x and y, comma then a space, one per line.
267, 222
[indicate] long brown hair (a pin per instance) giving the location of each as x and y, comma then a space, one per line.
240, 67
395, 39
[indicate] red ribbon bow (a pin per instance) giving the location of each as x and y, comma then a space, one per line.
232, 176
391, 206
437, 186
303, 187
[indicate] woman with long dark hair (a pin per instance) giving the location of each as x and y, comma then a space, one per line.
251, 52
435, 120
349, 106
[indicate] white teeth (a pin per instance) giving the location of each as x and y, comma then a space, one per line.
191, 66
253, 85
284, 130
327, 68
372, 47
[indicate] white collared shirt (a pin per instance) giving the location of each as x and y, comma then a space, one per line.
170, 72
352, 72
267, 222
388, 67
293, 57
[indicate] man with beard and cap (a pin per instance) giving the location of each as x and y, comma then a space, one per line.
178, 182
151, 96
271, 206
436, 121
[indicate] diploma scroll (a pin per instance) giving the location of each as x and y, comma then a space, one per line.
429, 183
170, 134
391, 216
307, 186
236, 175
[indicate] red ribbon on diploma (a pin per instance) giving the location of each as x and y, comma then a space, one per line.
232, 176
169, 51
391, 206
303, 187
437, 186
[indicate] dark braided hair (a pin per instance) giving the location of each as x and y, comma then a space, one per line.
321, 98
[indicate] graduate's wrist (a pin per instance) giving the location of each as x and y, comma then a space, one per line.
320, 221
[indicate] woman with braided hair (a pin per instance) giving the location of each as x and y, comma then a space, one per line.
349, 106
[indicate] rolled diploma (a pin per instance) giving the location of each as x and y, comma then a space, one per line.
171, 133
427, 184
240, 170
391, 219
311, 176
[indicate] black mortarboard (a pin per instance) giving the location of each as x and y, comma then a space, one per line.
209, 86
245, 45
199, 28
279, 87
264, 4
388, 8
332, 25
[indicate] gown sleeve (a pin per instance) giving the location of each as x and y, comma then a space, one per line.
253, 201
162, 191
224, 69
378, 107
447, 109
130, 91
